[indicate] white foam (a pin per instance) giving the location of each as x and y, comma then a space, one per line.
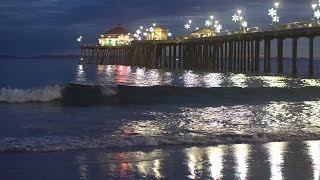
108, 91
44, 94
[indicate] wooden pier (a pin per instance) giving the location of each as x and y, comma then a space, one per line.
227, 53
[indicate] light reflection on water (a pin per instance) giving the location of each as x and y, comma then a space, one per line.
314, 154
81, 76
124, 164
215, 156
213, 80
83, 166
241, 154
126, 75
276, 152
213, 162
191, 79
279, 119
237, 161
195, 160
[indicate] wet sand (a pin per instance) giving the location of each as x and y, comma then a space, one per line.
277, 160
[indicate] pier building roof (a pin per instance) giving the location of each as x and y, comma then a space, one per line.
117, 30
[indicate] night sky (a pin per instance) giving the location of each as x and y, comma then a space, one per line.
38, 27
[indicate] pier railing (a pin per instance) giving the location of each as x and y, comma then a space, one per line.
235, 52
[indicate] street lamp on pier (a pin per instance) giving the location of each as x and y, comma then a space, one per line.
213, 24
273, 13
243, 24
187, 26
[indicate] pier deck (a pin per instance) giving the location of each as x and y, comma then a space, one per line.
229, 53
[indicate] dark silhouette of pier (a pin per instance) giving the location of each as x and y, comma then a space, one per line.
228, 53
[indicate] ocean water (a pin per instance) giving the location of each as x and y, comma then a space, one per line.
121, 122
50, 104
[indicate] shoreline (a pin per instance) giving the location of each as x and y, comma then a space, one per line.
289, 160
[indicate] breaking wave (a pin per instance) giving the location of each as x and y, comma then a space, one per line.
85, 94
45, 94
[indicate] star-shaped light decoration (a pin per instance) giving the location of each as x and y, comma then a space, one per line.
138, 31
244, 24
208, 23
275, 19
151, 29
187, 26
317, 14
169, 34
235, 18
272, 12
314, 6
218, 28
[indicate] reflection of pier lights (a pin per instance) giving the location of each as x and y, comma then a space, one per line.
215, 157
314, 153
121, 73
83, 166
79, 40
81, 76
241, 153
190, 79
152, 167
275, 150
195, 162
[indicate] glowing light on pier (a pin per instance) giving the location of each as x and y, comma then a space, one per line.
139, 33
79, 39
187, 26
316, 9
316, 13
238, 18
273, 13
213, 24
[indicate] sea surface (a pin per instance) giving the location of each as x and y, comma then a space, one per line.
57, 104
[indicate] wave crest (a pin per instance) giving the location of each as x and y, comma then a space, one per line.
43, 94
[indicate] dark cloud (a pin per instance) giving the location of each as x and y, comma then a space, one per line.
51, 26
